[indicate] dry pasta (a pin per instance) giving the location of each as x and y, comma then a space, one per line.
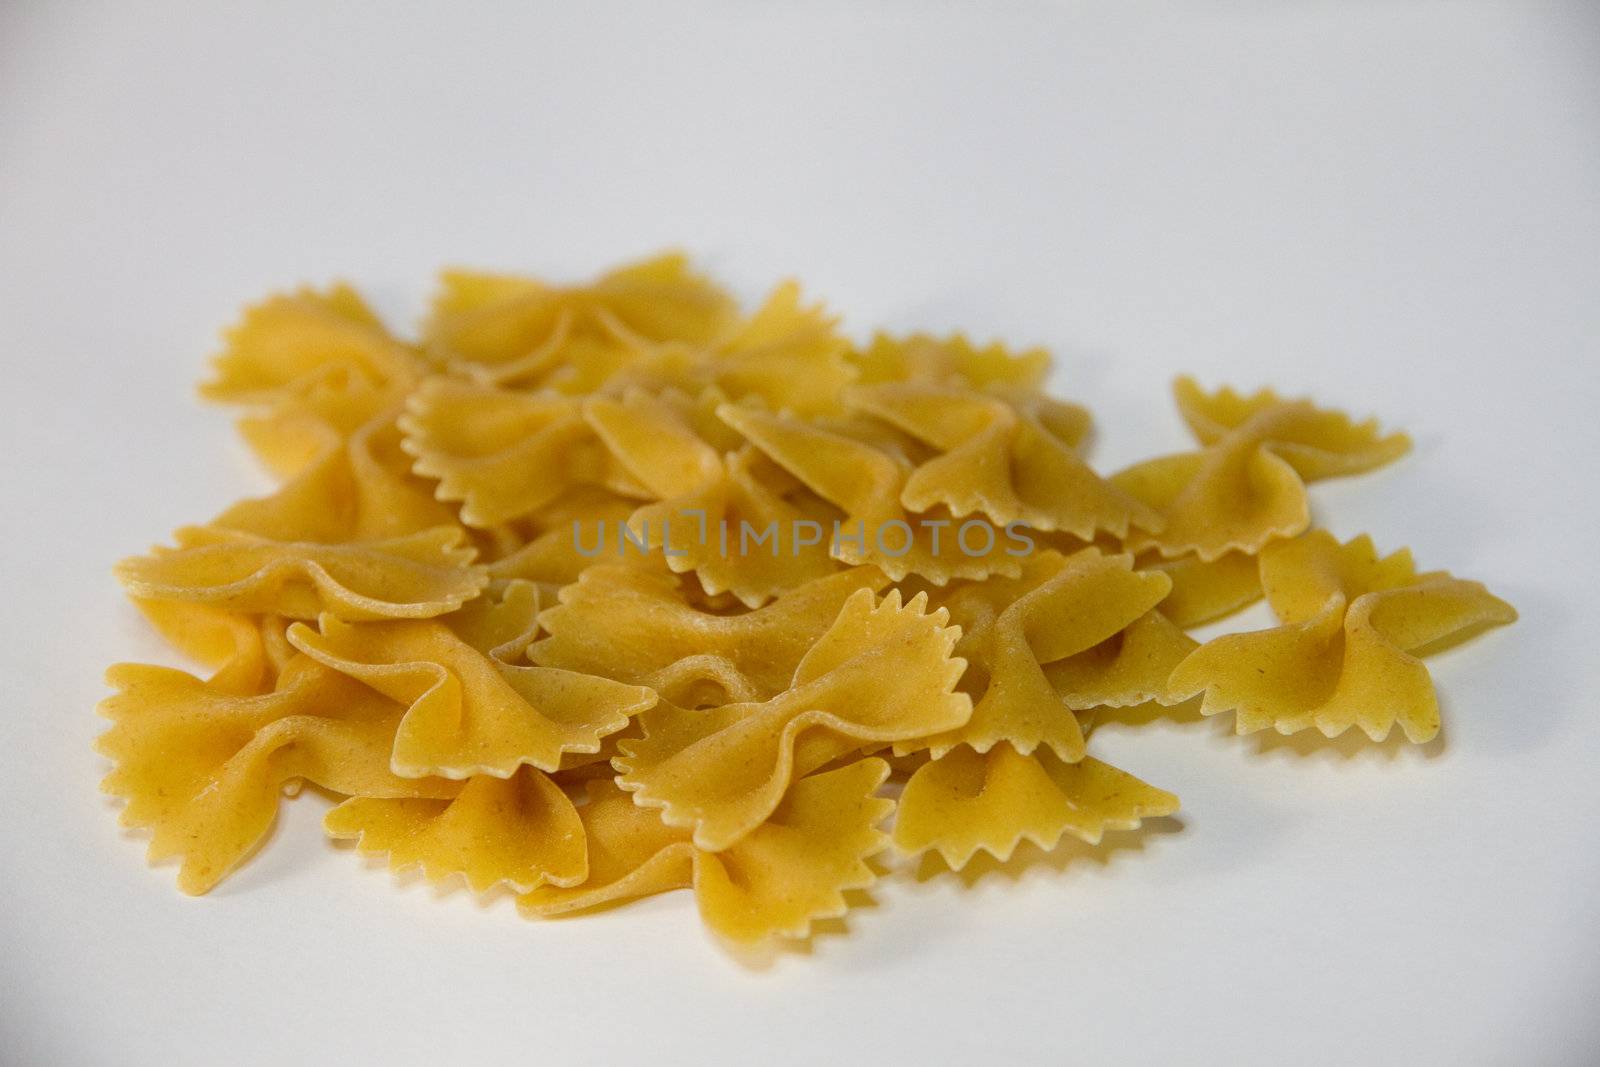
597, 591
1347, 654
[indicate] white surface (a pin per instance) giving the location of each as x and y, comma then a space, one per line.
1392, 206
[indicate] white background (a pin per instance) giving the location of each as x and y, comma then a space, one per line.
1392, 206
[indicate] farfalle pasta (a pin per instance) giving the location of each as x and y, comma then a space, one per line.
234, 645
965, 802
721, 771
414, 577
287, 344
786, 355
203, 769
1011, 629
521, 832
1354, 626
1130, 667
504, 328
1013, 460
865, 483
1246, 486
503, 453
467, 712
948, 360
637, 624
702, 497
784, 875
597, 591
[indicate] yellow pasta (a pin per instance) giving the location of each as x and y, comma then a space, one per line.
1014, 462
295, 428
204, 769
707, 501
1130, 667
1010, 628
505, 328
520, 832
1203, 591
1316, 443
293, 342
722, 770
504, 454
235, 645
595, 591
1246, 487
787, 355
1354, 624
950, 360
866, 484
557, 549
468, 713
964, 802
413, 577
359, 488
787, 873
636, 624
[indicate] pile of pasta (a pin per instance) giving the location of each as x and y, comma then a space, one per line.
493, 607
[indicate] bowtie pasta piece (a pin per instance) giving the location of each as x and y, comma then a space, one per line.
521, 832
289, 343
1324, 444
965, 801
1013, 461
501, 623
786, 355
203, 769
636, 625
359, 487
722, 770
777, 880
1246, 487
467, 712
505, 328
952, 360
708, 502
1346, 654
1234, 496
789, 355
414, 577
865, 483
1010, 628
504, 454
293, 430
